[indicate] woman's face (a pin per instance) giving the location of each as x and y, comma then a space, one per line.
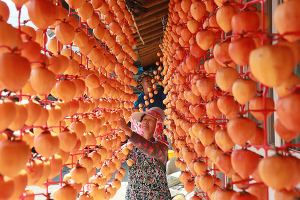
148, 126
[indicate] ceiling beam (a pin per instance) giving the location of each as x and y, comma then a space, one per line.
151, 39
149, 49
144, 47
150, 24
138, 32
154, 49
153, 10
151, 28
150, 52
151, 56
148, 62
154, 42
151, 34
149, 59
150, 31
145, 56
151, 3
153, 17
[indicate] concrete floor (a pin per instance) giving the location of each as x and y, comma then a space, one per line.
120, 195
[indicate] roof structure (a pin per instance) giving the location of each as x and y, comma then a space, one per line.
150, 18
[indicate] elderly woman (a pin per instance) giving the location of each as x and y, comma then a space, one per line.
147, 176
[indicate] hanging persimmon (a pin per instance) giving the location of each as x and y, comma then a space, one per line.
46, 144
80, 38
20, 183
74, 21
284, 17
96, 3
241, 129
198, 10
20, 118
239, 50
85, 50
33, 109
55, 115
73, 67
56, 165
93, 21
41, 62
42, 80
46, 173
53, 45
17, 153
4, 11
85, 11
75, 3
80, 87
41, 13
34, 169
224, 16
55, 65
66, 90
6, 187
30, 33
42, 119
61, 15
65, 192
78, 173
65, 33
14, 71
266, 58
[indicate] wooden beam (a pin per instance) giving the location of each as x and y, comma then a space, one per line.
150, 31
137, 30
151, 34
153, 17
150, 44
150, 24
155, 46
151, 3
153, 42
149, 49
150, 40
150, 57
153, 53
149, 62
145, 54
151, 28
153, 10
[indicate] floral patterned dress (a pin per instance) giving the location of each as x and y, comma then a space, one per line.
147, 176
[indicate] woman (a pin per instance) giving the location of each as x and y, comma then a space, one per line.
147, 176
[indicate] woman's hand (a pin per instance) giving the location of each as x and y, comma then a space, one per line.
124, 127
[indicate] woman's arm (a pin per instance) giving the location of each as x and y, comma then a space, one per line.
153, 149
